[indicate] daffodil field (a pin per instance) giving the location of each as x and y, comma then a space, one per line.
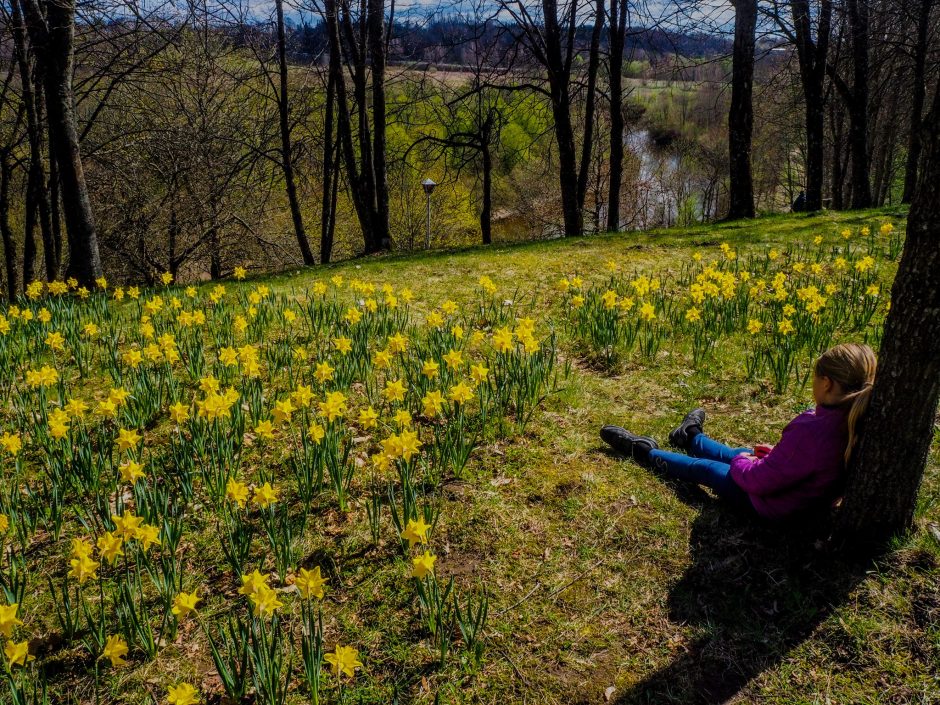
171, 456
791, 303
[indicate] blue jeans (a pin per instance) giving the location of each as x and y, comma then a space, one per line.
709, 464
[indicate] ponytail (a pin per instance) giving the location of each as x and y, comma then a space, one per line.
852, 367
859, 406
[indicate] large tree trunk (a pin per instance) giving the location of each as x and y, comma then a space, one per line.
329, 177
287, 165
618, 24
558, 65
587, 143
813, 56
358, 187
35, 130
858, 104
741, 115
55, 209
567, 164
886, 472
29, 231
355, 42
377, 51
487, 209
837, 171
918, 96
9, 243
52, 35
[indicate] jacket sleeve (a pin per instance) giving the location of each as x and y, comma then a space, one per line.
777, 470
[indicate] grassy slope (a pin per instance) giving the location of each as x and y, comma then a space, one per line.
601, 574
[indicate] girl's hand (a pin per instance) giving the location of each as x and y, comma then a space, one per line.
762, 449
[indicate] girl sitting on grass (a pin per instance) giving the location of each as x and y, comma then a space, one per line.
799, 473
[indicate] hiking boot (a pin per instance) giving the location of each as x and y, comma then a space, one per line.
694, 421
629, 444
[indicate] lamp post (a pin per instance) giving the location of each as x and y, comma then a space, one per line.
428, 186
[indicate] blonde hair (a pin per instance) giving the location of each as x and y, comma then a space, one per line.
852, 366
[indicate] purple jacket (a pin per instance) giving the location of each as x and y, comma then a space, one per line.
804, 466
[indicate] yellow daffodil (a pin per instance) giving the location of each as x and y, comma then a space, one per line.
11, 443
264, 601
115, 649
184, 604
236, 492
17, 653
127, 439
423, 565
265, 496
394, 390
432, 403
182, 694
460, 393
344, 660
368, 418
110, 546
310, 583
8, 619
416, 531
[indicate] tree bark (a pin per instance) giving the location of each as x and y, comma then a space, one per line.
858, 13
587, 143
357, 182
329, 177
741, 115
29, 233
287, 165
487, 209
377, 50
33, 105
55, 210
9, 243
918, 96
888, 466
51, 30
836, 172
557, 61
616, 36
812, 57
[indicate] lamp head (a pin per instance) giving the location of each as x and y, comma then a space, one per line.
428, 186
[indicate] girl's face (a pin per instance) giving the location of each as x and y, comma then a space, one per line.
826, 391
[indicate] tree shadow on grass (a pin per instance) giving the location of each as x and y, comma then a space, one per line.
755, 592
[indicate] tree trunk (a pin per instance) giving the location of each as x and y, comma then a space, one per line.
353, 43
886, 472
486, 211
359, 189
9, 243
52, 35
326, 213
377, 44
55, 210
567, 164
918, 96
858, 105
813, 56
618, 23
29, 233
283, 109
558, 65
33, 105
741, 115
587, 143
836, 173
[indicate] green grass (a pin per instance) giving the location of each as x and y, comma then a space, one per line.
600, 573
